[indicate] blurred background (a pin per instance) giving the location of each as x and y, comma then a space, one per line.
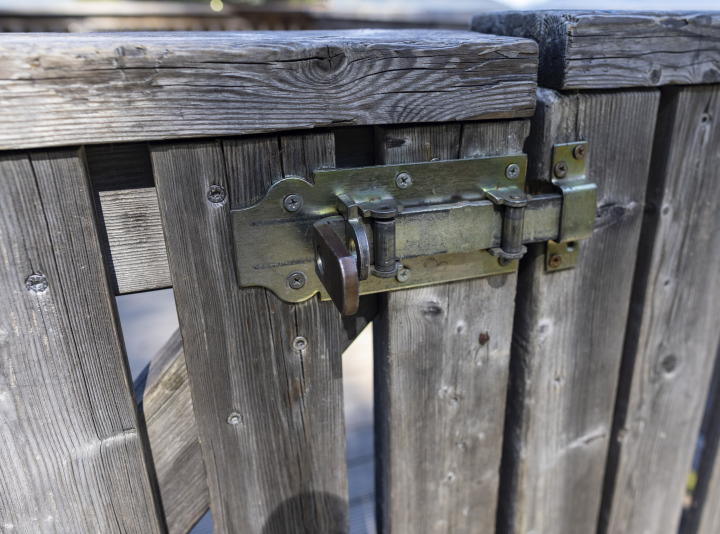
148, 319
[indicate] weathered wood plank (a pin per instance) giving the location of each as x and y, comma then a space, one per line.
102, 88
567, 341
703, 515
164, 392
72, 458
673, 328
608, 49
163, 389
129, 216
269, 412
441, 367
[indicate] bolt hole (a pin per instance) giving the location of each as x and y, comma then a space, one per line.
571, 246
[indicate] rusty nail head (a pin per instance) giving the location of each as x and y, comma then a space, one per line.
403, 180
579, 152
296, 279
512, 171
293, 202
216, 194
555, 260
37, 283
403, 274
484, 338
561, 169
299, 343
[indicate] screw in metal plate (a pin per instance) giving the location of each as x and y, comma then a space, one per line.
299, 343
403, 180
37, 283
293, 202
234, 418
403, 274
561, 169
555, 261
504, 262
512, 171
296, 279
216, 194
579, 152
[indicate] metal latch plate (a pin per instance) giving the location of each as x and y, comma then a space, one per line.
272, 243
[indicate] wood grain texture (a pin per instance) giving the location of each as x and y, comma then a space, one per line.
163, 390
129, 216
270, 416
569, 325
72, 458
103, 88
607, 49
439, 384
673, 328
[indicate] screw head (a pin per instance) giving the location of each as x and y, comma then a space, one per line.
216, 194
403, 274
579, 152
293, 202
300, 343
561, 169
512, 171
403, 180
504, 262
234, 418
555, 260
37, 283
296, 279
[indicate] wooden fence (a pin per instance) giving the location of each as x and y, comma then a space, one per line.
524, 402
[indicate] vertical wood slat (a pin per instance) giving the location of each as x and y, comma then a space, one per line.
441, 364
673, 328
72, 457
567, 339
270, 416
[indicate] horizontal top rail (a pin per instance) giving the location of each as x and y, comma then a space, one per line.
65, 89
607, 49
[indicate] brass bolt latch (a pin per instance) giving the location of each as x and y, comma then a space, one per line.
374, 229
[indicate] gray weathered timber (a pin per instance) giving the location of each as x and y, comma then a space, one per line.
609, 49
569, 325
703, 516
102, 88
441, 368
673, 328
164, 390
72, 458
269, 412
129, 216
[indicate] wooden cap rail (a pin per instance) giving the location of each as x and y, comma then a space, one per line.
109, 88
607, 49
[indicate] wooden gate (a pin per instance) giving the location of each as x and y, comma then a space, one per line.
533, 399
